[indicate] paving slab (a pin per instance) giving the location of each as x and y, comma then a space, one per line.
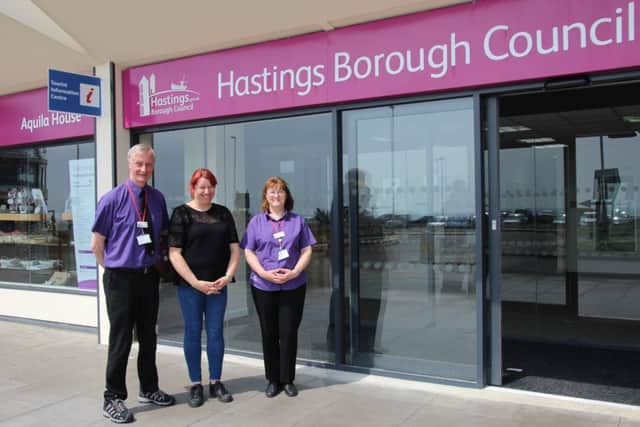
53, 376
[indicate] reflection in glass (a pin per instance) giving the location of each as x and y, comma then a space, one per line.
532, 206
242, 156
569, 230
410, 218
37, 238
608, 239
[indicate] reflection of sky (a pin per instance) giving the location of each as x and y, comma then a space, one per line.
533, 178
169, 171
620, 153
420, 162
418, 157
297, 149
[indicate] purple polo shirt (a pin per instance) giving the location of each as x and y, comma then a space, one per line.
116, 218
259, 239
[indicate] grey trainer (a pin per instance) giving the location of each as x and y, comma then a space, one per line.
116, 411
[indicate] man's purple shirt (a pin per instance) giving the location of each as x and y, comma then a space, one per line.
116, 219
259, 239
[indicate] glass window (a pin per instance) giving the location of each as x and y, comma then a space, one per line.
47, 204
532, 209
242, 156
409, 192
608, 241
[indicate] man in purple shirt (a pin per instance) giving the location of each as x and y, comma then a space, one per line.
130, 220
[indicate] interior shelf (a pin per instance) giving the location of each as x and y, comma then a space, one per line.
21, 217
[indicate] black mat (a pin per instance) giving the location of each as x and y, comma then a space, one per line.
590, 373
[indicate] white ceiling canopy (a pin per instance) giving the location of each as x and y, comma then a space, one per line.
75, 35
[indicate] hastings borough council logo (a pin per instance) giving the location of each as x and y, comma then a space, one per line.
164, 102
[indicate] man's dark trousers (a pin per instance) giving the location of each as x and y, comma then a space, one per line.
132, 299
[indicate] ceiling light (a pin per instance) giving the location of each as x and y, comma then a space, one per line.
536, 140
631, 119
516, 128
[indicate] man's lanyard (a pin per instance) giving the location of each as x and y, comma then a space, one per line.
141, 216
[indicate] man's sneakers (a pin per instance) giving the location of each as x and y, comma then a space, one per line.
116, 411
157, 397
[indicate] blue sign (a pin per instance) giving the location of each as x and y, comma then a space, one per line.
74, 93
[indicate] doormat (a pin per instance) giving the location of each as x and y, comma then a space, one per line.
589, 373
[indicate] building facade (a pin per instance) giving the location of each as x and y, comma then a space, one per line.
469, 173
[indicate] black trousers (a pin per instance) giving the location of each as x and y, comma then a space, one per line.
132, 301
280, 315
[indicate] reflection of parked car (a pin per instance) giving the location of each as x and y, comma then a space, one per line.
544, 216
437, 221
621, 216
420, 220
458, 221
560, 219
461, 221
515, 218
394, 221
588, 218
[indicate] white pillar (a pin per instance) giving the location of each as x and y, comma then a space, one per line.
112, 144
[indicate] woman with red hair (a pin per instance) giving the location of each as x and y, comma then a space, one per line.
204, 250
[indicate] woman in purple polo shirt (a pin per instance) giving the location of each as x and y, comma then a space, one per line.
277, 246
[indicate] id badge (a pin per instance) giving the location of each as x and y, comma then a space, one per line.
144, 239
279, 235
283, 254
142, 224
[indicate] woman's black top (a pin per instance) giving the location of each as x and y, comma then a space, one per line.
204, 238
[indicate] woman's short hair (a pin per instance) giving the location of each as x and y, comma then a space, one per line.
201, 173
281, 184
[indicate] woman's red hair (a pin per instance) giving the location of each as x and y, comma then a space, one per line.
201, 173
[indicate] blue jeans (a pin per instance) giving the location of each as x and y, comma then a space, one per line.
195, 305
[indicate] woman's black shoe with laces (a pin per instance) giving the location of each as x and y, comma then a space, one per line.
196, 396
218, 391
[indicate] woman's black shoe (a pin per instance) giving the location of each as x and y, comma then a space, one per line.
218, 391
272, 389
196, 396
290, 389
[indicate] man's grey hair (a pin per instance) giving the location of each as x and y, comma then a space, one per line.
140, 148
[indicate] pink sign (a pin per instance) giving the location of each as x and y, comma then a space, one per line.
25, 119
482, 43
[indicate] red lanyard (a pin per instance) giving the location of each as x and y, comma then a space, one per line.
277, 229
273, 224
135, 204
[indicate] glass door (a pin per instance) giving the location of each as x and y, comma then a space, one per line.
569, 251
410, 238
608, 245
533, 215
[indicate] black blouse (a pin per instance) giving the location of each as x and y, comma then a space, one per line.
204, 238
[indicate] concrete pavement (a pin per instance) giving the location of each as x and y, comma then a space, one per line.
55, 377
